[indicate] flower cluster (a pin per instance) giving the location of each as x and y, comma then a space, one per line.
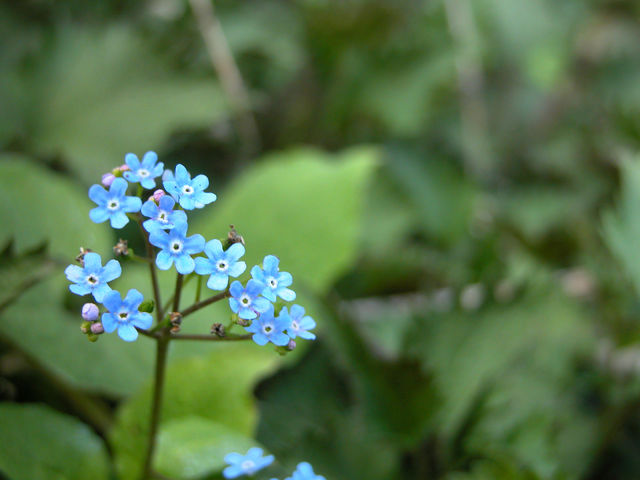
255, 304
254, 461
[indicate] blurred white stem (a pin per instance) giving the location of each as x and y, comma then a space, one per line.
228, 72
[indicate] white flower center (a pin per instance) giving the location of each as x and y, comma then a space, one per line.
163, 217
267, 329
245, 300
187, 189
113, 204
92, 280
247, 465
222, 266
273, 283
175, 247
123, 316
143, 172
295, 325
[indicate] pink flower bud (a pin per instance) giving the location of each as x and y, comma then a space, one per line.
107, 179
158, 194
124, 167
97, 328
90, 311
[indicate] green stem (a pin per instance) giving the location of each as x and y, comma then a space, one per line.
198, 289
156, 406
197, 306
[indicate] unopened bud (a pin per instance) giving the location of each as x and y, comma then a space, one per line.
175, 329
97, 328
85, 327
175, 318
107, 179
124, 167
158, 194
291, 345
147, 306
92, 337
233, 237
80, 257
90, 311
218, 329
242, 322
121, 248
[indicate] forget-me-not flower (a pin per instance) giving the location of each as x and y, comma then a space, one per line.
176, 248
247, 464
276, 282
305, 472
299, 324
247, 302
188, 192
145, 172
162, 216
93, 277
269, 328
113, 205
124, 315
220, 264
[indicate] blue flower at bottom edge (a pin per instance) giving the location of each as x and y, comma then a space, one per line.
145, 172
220, 264
113, 205
176, 248
162, 216
276, 281
189, 193
298, 324
305, 472
267, 328
93, 277
247, 464
247, 302
124, 315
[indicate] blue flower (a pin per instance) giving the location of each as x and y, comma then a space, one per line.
176, 247
305, 472
93, 277
113, 205
144, 172
162, 216
247, 464
276, 282
299, 324
220, 264
247, 302
189, 193
124, 314
268, 328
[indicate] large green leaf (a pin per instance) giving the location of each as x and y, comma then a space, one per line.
38, 443
217, 387
38, 206
303, 206
102, 93
192, 447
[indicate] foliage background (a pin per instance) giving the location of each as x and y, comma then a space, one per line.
452, 183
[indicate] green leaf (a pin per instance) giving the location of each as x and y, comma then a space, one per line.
217, 387
192, 447
38, 206
621, 227
303, 206
38, 443
101, 94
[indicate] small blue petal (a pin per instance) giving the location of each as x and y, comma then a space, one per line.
127, 332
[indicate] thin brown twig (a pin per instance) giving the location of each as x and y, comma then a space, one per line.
228, 72
197, 306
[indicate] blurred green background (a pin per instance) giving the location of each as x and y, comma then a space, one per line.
452, 183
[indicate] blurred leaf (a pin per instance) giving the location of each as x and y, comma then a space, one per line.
192, 447
38, 206
621, 227
101, 94
442, 198
38, 443
303, 206
217, 387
